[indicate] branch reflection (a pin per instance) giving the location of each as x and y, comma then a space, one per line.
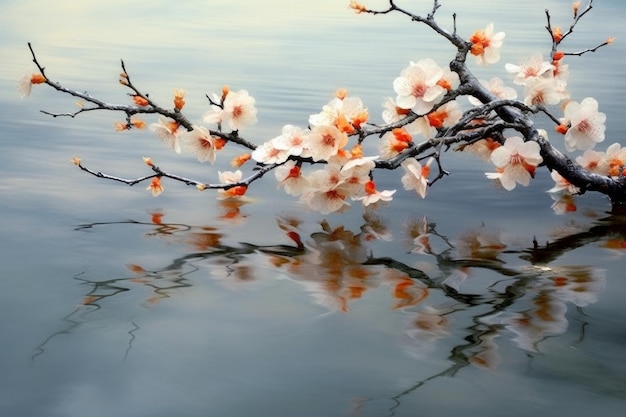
511, 288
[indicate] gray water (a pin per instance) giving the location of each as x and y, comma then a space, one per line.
115, 303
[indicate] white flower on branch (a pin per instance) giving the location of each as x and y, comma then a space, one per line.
486, 45
167, 131
237, 110
445, 116
292, 139
416, 176
289, 176
615, 160
25, 83
345, 113
356, 172
561, 185
201, 143
417, 87
393, 113
394, 142
544, 91
268, 153
586, 124
516, 162
325, 141
497, 88
372, 195
530, 69
328, 191
594, 161
231, 177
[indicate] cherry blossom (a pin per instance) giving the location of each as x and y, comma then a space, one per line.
372, 195
586, 124
445, 116
416, 176
486, 45
615, 159
345, 113
25, 84
167, 131
268, 153
562, 186
515, 161
293, 139
529, 69
394, 142
417, 87
546, 91
290, 177
155, 186
393, 113
325, 141
327, 191
230, 177
594, 161
237, 109
497, 88
201, 143
356, 172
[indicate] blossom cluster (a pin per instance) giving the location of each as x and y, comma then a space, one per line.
425, 108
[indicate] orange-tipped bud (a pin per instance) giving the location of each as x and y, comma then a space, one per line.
148, 161
120, 126
610, 40
357, 7
557, 34
76, 161
37, 79
341, 93
575, 7
140, 101
239, 160
137, 123
179, 102
562, 129
225, 91
558, 55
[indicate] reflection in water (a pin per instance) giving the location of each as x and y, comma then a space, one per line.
476, 274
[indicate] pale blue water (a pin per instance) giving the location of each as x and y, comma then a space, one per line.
115, 303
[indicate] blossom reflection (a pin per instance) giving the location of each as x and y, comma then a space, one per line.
460, 296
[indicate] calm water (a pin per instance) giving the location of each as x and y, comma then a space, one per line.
115, 303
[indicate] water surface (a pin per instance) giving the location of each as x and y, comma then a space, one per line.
117, 303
